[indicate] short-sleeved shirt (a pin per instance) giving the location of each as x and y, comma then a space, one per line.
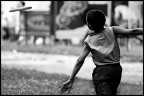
104, 47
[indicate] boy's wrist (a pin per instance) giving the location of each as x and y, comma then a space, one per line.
71, 79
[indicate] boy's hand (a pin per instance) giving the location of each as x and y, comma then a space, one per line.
66, 86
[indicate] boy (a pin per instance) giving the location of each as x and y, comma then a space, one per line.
102, 44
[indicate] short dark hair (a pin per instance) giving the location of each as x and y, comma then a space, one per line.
96, 18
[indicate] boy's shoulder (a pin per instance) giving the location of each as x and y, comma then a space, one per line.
110, 28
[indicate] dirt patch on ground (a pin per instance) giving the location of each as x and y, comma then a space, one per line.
63, 64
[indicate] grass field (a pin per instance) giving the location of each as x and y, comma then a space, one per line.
32, 82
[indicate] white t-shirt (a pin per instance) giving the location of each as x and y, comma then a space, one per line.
104, 47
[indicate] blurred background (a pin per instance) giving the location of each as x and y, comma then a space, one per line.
50, 22
57, 29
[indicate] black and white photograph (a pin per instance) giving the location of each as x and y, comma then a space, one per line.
71, 47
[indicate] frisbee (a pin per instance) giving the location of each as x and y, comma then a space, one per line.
20, 9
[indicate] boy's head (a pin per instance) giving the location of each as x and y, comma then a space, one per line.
95, 19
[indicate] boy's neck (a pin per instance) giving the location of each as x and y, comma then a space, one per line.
95, 32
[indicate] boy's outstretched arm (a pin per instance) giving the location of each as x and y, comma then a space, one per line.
79, 62
68, 84
122, 31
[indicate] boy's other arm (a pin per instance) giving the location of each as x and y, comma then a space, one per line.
122, 31
79, 62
